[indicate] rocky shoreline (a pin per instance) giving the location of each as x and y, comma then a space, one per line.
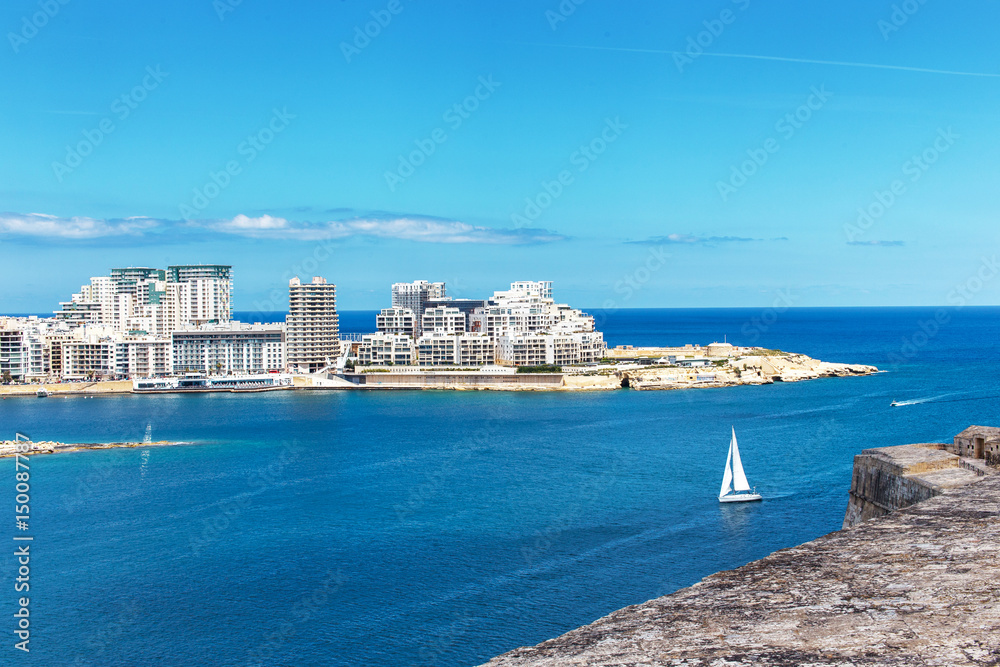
753, 369
9, 447
750, 366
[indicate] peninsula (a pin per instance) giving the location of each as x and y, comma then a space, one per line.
689, 367
154, 330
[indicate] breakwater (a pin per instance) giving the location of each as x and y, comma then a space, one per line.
915, 585
9, 447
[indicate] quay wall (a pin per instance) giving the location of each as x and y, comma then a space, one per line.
459, 380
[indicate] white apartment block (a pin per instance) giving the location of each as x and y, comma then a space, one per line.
29, 347
443, 320
561, 349
313, 326
21, 353
414, 296
144, 357
91, 357
454, 349
383, 349
229, 348
142, 299
396, 321
539, 288
528, 307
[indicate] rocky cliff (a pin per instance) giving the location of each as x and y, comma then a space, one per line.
752, 369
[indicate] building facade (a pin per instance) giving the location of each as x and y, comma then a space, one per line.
154, 301
454, 349
414, 296
229, 348
443, 320
396, 321
92, 357
144, 357
385, 349
560, 349
312, 325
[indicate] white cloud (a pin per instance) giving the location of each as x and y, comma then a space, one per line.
77, 227
414, 228
243, 223
409, 228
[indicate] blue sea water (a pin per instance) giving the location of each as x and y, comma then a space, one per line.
442, 528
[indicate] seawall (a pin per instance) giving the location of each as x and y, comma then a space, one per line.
916, 584
886, 479
458, 380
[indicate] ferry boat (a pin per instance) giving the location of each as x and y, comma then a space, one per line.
196, 382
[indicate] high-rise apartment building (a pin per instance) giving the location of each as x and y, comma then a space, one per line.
210, 292
415, 296
396, 321
143, 299
312, 338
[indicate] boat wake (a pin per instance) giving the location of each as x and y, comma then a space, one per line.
938, 399
917, 401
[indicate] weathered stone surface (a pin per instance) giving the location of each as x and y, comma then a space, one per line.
889, 478
753, 370
919, 586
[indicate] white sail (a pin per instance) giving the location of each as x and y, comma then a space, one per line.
727, 477
739, 477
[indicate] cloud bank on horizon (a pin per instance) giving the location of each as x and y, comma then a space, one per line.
139, 229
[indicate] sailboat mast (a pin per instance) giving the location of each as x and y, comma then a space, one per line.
740, 482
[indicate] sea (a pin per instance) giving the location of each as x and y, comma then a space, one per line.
399, 528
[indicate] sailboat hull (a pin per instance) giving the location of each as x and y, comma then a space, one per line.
740, 497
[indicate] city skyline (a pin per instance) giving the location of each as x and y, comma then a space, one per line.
735, 152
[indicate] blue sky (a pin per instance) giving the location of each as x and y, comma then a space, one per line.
304, 125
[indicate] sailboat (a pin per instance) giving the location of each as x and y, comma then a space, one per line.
734, 481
